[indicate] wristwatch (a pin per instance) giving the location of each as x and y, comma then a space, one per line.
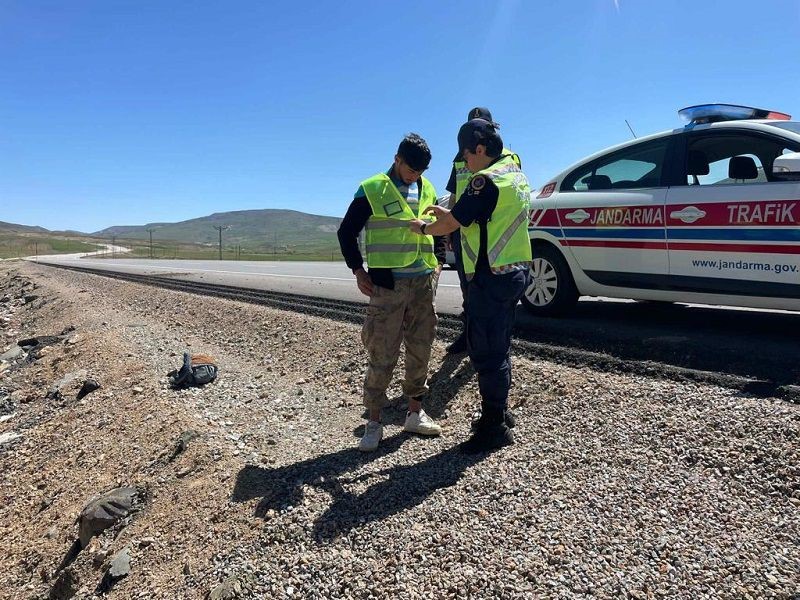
422, 228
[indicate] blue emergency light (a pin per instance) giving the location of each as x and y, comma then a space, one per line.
713, 113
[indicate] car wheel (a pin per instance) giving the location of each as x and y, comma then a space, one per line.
551, 290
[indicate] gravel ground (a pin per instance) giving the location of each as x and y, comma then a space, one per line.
619, 485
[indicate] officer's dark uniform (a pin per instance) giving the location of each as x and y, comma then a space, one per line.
455, 237
492, 297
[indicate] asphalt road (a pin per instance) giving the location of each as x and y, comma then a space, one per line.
320, 279
756, 345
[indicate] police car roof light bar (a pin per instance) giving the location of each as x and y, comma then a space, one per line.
713, 113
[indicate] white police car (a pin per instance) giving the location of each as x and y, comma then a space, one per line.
708, 213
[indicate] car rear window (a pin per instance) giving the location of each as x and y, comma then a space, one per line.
793, 126
637, 166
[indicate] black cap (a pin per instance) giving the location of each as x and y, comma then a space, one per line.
481, 112
478, 131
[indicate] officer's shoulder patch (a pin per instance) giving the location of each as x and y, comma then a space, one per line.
478, 183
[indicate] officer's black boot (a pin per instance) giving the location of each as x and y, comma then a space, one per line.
459, 345
510, 420
491, 433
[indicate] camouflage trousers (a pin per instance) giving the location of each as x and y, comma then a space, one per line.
405, 314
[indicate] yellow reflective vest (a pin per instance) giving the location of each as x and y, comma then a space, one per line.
507, 230
389, 241
463, 174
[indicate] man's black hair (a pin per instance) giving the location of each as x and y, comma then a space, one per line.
480, 131
415, 152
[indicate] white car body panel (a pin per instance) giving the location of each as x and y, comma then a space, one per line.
720, 244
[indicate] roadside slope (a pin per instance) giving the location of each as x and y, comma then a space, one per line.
618, 484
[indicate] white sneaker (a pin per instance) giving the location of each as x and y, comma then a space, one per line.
421, 423
373, 433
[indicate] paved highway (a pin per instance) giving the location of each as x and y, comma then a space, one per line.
320, 279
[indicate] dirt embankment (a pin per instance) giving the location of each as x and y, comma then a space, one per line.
252, 487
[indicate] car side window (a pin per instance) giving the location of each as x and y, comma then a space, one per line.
732, 159
635, 167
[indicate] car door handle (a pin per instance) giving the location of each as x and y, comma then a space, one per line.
688, 214
577, 216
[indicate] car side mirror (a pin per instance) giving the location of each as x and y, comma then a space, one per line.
787, 167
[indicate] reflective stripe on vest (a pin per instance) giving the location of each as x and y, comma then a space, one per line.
463, 175
399, 247
389, 241
506, 231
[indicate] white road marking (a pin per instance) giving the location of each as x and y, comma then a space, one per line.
190, 270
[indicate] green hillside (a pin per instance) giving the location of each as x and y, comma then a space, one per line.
263, 231
15, 228
14, 244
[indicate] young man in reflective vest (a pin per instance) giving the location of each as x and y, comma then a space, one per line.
401, 283
456, 185
492, 215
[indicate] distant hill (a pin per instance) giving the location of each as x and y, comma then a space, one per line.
253, 229
13, 227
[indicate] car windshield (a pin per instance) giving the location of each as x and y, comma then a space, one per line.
793, 126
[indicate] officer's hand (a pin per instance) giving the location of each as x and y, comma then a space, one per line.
364, 282
438, 269
438, 211
415, 224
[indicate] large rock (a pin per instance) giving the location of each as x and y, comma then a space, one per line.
227, 590
106, 511
65, 586
56, 390
87, 388
12, 354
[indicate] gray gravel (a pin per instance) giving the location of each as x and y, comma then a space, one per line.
619, 485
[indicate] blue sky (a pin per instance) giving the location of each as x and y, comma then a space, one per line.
124, 113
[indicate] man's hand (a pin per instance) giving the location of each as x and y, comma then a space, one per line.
436, 210
438, 270
364, 282
415, 224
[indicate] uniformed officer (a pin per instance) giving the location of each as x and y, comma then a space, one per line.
401, 283
457, 183
492, 215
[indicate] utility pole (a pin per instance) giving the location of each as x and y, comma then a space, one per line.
221, 228
150, 231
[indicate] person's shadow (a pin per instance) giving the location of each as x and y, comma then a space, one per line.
402, 488
405, 486
453, 374
281, 487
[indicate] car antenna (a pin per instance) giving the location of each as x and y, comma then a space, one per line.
631, 128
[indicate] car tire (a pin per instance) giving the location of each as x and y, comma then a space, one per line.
551, 291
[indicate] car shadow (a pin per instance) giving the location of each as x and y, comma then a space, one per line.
757, 345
